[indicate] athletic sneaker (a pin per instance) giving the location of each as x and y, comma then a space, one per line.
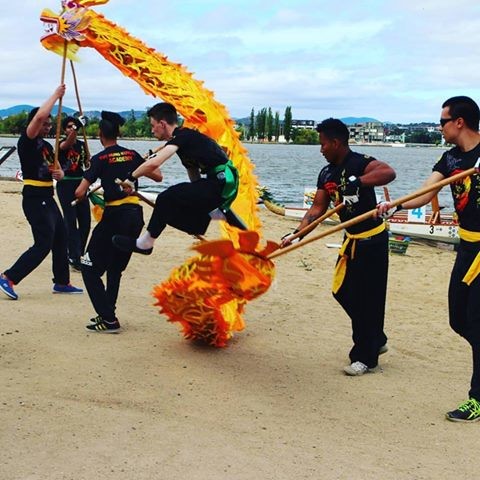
57, 288
129, 244
102, 326
358, 368
6, 286
468, 411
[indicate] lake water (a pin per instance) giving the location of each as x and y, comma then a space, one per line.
287, 169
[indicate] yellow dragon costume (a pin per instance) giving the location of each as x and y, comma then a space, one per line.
186, 297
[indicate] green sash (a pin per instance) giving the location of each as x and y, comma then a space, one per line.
230, 189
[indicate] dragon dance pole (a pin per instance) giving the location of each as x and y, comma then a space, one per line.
373, 212
77, 94
56, 163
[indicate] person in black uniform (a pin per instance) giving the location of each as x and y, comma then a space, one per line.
122, 215
186, 206
74, 160
360, 280
41, 211
459, 122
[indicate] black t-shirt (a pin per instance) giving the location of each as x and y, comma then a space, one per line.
109, 164
334, 178
73, 159
465, 192
36, 160
197, 150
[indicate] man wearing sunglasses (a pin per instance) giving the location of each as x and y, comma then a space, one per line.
459, 122
74, 160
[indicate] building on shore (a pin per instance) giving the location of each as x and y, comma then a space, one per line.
368, 132
306, 124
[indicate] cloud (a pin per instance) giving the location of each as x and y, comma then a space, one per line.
381, 59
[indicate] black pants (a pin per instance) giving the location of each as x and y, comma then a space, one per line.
464, 308
186, 206
49, 235
101, 256
363, 295
77, 218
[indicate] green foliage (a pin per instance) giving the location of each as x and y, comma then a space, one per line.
129, 129
14, 124
251, 128
276, 126
304, 136
269, 127
287, 124
423, 136
242, 131
134, 128
261, 123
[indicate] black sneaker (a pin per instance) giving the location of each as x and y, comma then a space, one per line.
129, 244
468, 411
102, 326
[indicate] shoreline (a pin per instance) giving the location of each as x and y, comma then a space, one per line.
366, 144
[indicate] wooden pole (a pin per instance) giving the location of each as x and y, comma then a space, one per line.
56, 163
372, 213
80, 111
77, 200
304, 231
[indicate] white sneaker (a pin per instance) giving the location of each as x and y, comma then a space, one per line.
357, 368
383, 349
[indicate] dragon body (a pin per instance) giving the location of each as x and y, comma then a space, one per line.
80, 26
207, 294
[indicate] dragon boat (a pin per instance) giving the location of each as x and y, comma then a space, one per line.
430, 224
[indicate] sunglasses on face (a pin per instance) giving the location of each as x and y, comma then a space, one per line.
444, 121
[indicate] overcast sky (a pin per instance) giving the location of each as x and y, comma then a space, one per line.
394, 61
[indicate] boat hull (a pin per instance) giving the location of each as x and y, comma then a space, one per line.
446, 230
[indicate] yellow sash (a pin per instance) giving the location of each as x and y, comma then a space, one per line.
122, 201
341, 267
38, 183
474, 268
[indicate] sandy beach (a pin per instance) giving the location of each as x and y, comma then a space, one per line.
273, 405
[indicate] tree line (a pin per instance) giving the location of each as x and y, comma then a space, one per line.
133, 127
261, 126
265, 126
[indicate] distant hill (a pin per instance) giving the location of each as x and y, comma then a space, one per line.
125, 114
15, 110
6, 112
353, 120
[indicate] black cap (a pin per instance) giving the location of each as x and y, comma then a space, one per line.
71, 119
113, 118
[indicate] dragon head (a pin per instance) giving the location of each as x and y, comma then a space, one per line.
67, 26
